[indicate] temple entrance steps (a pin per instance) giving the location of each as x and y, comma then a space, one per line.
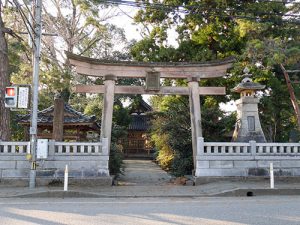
140, 172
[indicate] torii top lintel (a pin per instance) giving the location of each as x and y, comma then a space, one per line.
93, 67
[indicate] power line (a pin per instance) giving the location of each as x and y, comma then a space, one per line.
185, 8
216, 12
26, 21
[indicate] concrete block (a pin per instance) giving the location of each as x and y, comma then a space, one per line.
221, 164
23, 165
258, 172
290, 164
295, 171
75, 164
102, 173
266, 164
75, 173
244, 164
283, 173
7, 164
221, 172
45, 173
14, 173
202, 164
89, 173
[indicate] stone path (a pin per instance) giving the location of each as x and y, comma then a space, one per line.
143, 173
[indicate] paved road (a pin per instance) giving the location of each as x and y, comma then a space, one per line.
252, 210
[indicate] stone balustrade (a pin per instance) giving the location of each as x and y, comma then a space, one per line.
18, 148
233, 159
84, 160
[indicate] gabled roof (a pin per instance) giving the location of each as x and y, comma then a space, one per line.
140, 107
71, 117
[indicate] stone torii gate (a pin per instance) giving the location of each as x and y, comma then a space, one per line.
110, 71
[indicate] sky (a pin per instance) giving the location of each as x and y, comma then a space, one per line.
133, 30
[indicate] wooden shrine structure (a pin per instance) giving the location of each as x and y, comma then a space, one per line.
151, 72
60, 122
137, 143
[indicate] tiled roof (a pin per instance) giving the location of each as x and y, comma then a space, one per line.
71, 116
139, 122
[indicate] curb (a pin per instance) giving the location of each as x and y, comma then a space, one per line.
247, 192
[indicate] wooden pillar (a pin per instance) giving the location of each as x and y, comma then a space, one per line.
107, 111
58, 120
195, 113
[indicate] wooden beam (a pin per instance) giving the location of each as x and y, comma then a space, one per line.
141, 90
92, 67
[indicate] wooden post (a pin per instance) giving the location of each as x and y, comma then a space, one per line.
107, 111
58, 119
194, 99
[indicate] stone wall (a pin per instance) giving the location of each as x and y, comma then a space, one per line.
84, 160
217, 159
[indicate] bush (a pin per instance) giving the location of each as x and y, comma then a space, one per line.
116, 165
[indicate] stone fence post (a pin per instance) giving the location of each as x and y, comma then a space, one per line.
253, 147
51, 150
105, 146
200, 146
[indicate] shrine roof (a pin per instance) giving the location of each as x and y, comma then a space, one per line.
71, 117
248, 86
140, 107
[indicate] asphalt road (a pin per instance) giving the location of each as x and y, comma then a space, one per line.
252, 210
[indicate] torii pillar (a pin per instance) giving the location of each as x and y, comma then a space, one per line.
195, 114
108, 106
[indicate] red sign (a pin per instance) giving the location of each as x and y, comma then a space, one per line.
10, 91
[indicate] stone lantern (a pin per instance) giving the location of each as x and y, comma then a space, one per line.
248, 126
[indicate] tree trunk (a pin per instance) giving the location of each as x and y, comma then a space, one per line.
4, 81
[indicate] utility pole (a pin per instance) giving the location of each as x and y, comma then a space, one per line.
35, 89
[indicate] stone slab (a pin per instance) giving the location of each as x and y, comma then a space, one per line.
221, 164
245, 164
202, 164
221, 172
290, 164
75, 164
12, 173
266, 164
23, 165
7, 164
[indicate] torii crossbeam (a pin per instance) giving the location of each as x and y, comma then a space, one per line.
112, 70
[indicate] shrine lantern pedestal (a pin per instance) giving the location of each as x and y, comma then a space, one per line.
248, 125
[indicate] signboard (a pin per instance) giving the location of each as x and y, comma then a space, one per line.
153, 81
23, 97
17, 97
42, 149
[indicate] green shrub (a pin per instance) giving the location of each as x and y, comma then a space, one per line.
116, 165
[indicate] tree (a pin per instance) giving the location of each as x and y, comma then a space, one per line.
4, 81
247, 30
